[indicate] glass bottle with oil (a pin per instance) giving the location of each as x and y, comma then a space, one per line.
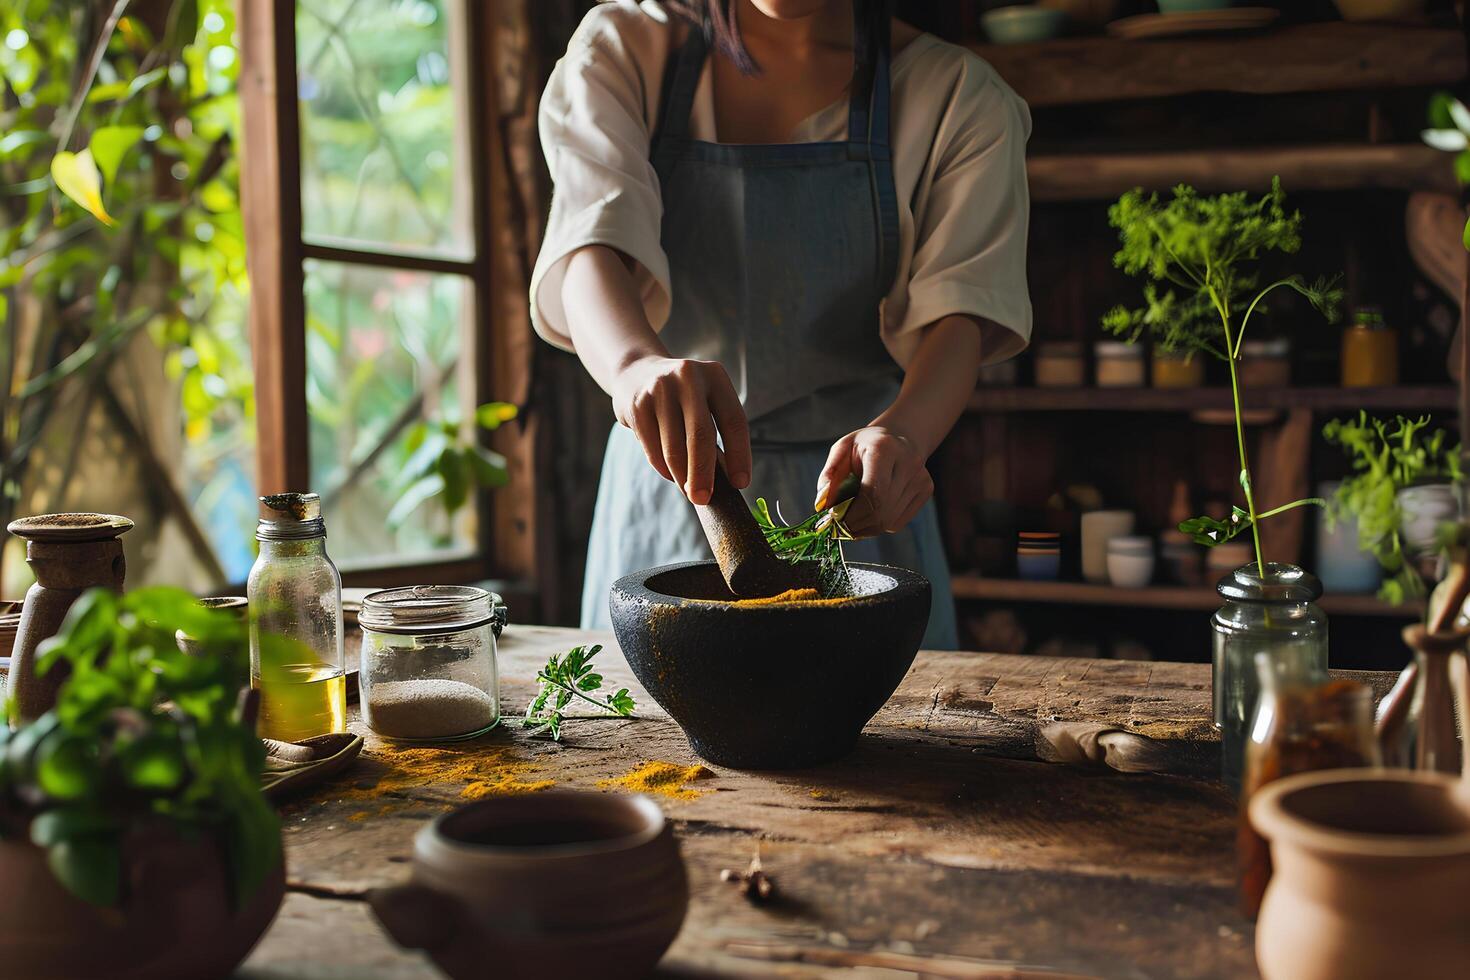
295, 593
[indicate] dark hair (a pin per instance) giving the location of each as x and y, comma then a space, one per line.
717, 19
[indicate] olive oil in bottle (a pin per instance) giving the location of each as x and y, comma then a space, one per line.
295, 593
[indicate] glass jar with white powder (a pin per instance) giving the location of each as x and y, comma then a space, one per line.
428, 662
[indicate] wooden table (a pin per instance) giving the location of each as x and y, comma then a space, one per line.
940, 847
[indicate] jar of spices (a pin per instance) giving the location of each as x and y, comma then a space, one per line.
1273, 614
1304, 721
1265, 363
1370, 350
1119, 365
1178, 369
428, 662
295, 618
1059, 364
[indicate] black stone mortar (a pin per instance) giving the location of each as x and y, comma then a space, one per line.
768, 687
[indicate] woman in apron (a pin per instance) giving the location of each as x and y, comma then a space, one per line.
808, 260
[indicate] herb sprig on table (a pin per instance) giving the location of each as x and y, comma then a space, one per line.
566, 677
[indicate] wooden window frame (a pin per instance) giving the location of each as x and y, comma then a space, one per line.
270, 179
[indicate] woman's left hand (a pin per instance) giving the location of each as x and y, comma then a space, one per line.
895, 483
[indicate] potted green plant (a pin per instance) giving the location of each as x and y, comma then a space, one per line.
134, 838
1198, 257
1401, 492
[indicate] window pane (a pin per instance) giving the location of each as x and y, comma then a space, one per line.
378, 160
385, 389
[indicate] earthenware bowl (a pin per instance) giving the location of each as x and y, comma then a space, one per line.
555, 883
178, 917
775, 686
1371, 870
1022, 24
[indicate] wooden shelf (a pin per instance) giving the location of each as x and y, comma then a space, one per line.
1414, 398
1335, 167
1152, 597
1326, 57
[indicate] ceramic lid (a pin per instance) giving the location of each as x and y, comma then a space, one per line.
70, 527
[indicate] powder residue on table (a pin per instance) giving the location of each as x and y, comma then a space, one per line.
664, 778
492, 772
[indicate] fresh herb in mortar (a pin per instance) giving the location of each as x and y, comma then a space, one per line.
816, 540
567, 676
1197, 254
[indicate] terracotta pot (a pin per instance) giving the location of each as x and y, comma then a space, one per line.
590, 882
68, 554
1371, 877
177, 920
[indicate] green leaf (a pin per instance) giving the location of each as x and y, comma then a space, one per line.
456, 478
1439, 110
76, 176
51, 827
89, 868
66, 767
110, 144
489, 467
1465, 235
492, 414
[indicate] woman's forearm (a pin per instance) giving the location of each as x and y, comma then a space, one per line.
605, 314
937, 384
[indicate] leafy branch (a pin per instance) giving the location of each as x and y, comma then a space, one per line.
1192, 251
817, 539
567, 677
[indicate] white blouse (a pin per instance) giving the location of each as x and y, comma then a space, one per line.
959, 144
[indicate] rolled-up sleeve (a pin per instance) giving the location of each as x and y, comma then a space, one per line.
970, 224
594, 124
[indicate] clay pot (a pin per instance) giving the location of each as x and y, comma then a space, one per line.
1371, 877
778, 686
68, 554
176, 923
589, 882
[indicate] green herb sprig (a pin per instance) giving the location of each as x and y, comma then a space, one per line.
816, 540
1195, 253
565, 677
143, 736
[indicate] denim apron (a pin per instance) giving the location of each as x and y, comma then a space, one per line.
780, 256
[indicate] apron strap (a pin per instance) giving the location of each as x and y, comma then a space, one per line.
681, 80
868, 125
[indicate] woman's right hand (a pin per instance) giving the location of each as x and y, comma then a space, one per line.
675, 406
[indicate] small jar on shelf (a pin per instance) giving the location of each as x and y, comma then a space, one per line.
1060, 364
1178, 369
1370, 350
1119, 365
1265, 363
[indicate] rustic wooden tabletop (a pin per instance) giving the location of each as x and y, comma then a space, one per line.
943, 846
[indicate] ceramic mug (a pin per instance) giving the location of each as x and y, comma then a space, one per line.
591, 881
1371, 870
1098, 526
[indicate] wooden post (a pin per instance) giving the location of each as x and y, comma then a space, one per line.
270, 190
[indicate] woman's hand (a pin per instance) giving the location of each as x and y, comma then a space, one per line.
674, 407
895, 483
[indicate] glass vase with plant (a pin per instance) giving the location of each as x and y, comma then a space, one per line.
1387, 459
1198, 256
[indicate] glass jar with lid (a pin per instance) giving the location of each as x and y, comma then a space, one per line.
428, 669
1273, 614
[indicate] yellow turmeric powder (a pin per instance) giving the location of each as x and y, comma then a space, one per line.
494, 772
663, 778
791, 597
